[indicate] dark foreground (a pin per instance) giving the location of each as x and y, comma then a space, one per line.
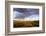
17, 24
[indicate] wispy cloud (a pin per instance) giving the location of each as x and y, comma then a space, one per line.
26, 13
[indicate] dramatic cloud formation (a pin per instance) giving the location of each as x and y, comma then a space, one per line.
26, 13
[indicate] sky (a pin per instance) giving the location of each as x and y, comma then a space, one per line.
26, 13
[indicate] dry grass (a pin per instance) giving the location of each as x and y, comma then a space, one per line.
25, 23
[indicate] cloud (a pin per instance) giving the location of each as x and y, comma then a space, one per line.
17, 14
25, 12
